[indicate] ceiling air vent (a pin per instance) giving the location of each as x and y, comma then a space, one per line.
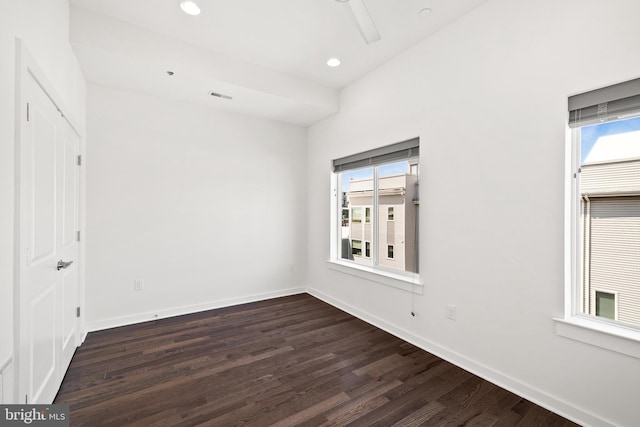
219, 95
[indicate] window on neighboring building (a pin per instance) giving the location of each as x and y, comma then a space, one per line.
605, 305
606, 203
382, 184
356, 247
356, 214
345, 217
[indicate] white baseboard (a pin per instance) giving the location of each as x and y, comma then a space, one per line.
84, 336
532, 394
115, 322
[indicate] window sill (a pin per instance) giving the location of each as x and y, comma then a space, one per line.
610, 337
406, 283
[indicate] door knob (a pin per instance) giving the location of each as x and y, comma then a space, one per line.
62, 264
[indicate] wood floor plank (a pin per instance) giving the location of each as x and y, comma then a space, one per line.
284, 362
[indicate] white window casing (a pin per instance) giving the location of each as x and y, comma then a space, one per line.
602, 227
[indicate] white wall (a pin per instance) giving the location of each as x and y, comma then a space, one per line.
209, 208
44, 27
488, 98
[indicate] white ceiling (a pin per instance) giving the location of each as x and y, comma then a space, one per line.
269, 55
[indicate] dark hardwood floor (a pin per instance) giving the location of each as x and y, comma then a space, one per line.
286, 361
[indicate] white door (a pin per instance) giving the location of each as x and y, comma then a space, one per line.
48, 226
69, 246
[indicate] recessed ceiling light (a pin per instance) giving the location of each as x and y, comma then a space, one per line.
342, 1
190, 7
333, 62
426, 11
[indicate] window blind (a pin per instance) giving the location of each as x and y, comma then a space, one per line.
394, 152
614, 102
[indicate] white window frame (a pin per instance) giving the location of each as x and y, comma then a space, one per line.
404, 280
574, 324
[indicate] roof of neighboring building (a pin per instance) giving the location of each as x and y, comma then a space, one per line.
616, 147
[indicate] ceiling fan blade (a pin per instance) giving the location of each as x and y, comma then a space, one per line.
367, 27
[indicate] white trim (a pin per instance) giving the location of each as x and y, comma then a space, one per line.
602, 334
335, 216
408, 283
513, 385
115, 322
570, 261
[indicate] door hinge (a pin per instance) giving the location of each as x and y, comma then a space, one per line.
77, 311
27, 111
78, 235
79, 160
26, 399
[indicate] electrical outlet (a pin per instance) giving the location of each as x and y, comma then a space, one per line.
451, 312
138, 285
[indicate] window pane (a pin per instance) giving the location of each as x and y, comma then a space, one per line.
398, 207
606, 305
356, 247
356, 214
609, 220
356, 191
378, 206
345, 217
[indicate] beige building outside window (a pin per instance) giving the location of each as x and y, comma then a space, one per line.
609, 183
